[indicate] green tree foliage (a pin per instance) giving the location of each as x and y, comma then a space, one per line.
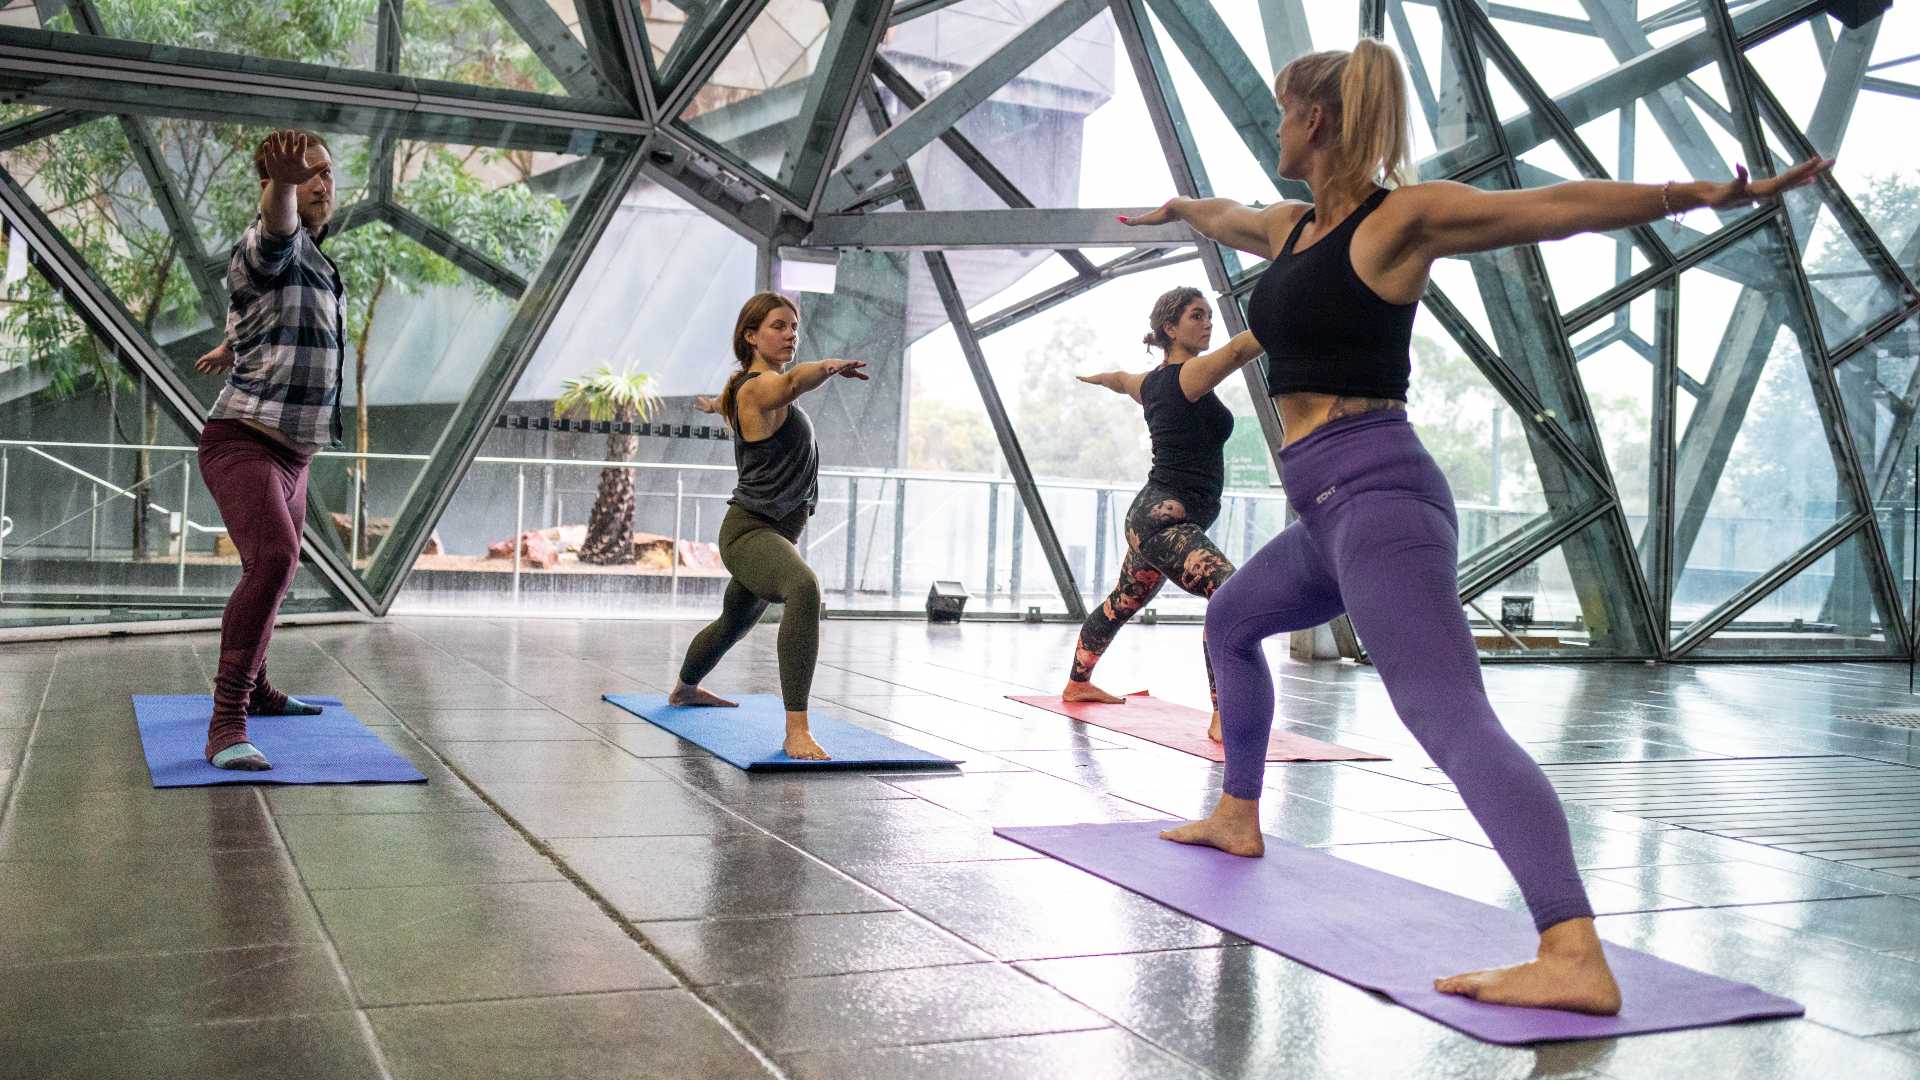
88, 181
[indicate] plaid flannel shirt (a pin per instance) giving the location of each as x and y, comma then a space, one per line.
287, 323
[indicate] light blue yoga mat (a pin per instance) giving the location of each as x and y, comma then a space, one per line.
332, 748
749, 737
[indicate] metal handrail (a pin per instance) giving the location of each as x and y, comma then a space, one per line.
660, 466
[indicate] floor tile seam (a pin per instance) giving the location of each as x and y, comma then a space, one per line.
19, 770
1111, 1025
885, 969
595, 896
331, 948
157, 954
328, 890
1120, 1024
191, 1025
501, 999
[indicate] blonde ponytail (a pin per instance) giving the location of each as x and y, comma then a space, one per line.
1364, 93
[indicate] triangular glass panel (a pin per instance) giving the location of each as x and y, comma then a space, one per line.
1683, 128
1486, 450
1851, 290
1849, 120
103, 515
535, 51
103, 205
534, 46
1575, 263
1450, 131
1755, 476
657, 298
1827, 609
773, 100
1569, 602
1516, 318
1879, 391
1619, 369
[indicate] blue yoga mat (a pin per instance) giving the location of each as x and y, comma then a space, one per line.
749, 737
332, 748
1387, 934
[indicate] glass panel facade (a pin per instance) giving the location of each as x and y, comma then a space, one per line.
103, 515
500, 237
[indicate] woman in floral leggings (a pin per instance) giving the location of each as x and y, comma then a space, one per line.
1167, 523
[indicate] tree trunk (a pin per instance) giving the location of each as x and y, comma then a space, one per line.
360, 438
610, 528
143, 473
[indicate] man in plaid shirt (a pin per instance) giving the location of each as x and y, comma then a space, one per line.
280, 404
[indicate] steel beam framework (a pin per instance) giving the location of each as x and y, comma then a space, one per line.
624, 109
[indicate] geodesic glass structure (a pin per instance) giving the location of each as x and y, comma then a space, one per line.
1691, 439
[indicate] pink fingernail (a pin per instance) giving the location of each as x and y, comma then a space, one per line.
1120, 219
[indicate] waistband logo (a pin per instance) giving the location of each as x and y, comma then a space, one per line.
1325, 495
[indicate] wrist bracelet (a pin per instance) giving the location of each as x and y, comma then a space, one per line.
1666, 203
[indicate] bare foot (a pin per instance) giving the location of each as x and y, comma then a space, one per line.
1086, 691
1233, 827
1213, 729
801, 747
1569, 973
693, 695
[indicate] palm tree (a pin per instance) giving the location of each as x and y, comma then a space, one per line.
624, 397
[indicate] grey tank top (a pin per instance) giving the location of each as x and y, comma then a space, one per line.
779, 474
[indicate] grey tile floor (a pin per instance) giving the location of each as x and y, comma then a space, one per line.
577, 894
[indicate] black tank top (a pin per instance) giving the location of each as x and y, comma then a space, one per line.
779, 474
1324, 330
1187, 438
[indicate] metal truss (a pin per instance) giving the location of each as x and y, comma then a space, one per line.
629, 111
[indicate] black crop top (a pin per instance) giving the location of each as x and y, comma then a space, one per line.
779, 474
1187, 437
1324, 330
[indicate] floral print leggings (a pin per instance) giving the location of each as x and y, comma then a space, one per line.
1164, 541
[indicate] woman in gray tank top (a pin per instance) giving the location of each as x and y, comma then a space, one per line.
779, 468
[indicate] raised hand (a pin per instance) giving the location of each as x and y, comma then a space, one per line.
285, 159
216, 360
706, 403
1161, 216
851, 369
1741, 191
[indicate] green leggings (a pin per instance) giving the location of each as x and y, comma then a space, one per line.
767, 569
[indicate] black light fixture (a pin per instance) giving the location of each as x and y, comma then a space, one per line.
945, 601
1854, 14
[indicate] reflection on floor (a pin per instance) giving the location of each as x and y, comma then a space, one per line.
577, 894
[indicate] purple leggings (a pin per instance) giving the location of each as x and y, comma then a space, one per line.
1378, 540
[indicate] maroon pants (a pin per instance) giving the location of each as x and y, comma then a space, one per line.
260, 486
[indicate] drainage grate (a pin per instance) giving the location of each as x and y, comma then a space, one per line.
1831, 806
1886, 719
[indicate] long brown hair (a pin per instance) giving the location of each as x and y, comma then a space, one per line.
752, 314
1364, 93
1168, 309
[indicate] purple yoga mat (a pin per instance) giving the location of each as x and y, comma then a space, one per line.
1388, 934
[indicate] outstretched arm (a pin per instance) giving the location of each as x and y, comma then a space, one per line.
779, 389
1120, 382
1457, 219
1222, 221
1201, 374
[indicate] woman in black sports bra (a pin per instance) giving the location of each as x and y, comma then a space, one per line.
1377, 537
1168, 521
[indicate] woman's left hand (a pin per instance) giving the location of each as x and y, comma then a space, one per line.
1740, 191
852, 369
